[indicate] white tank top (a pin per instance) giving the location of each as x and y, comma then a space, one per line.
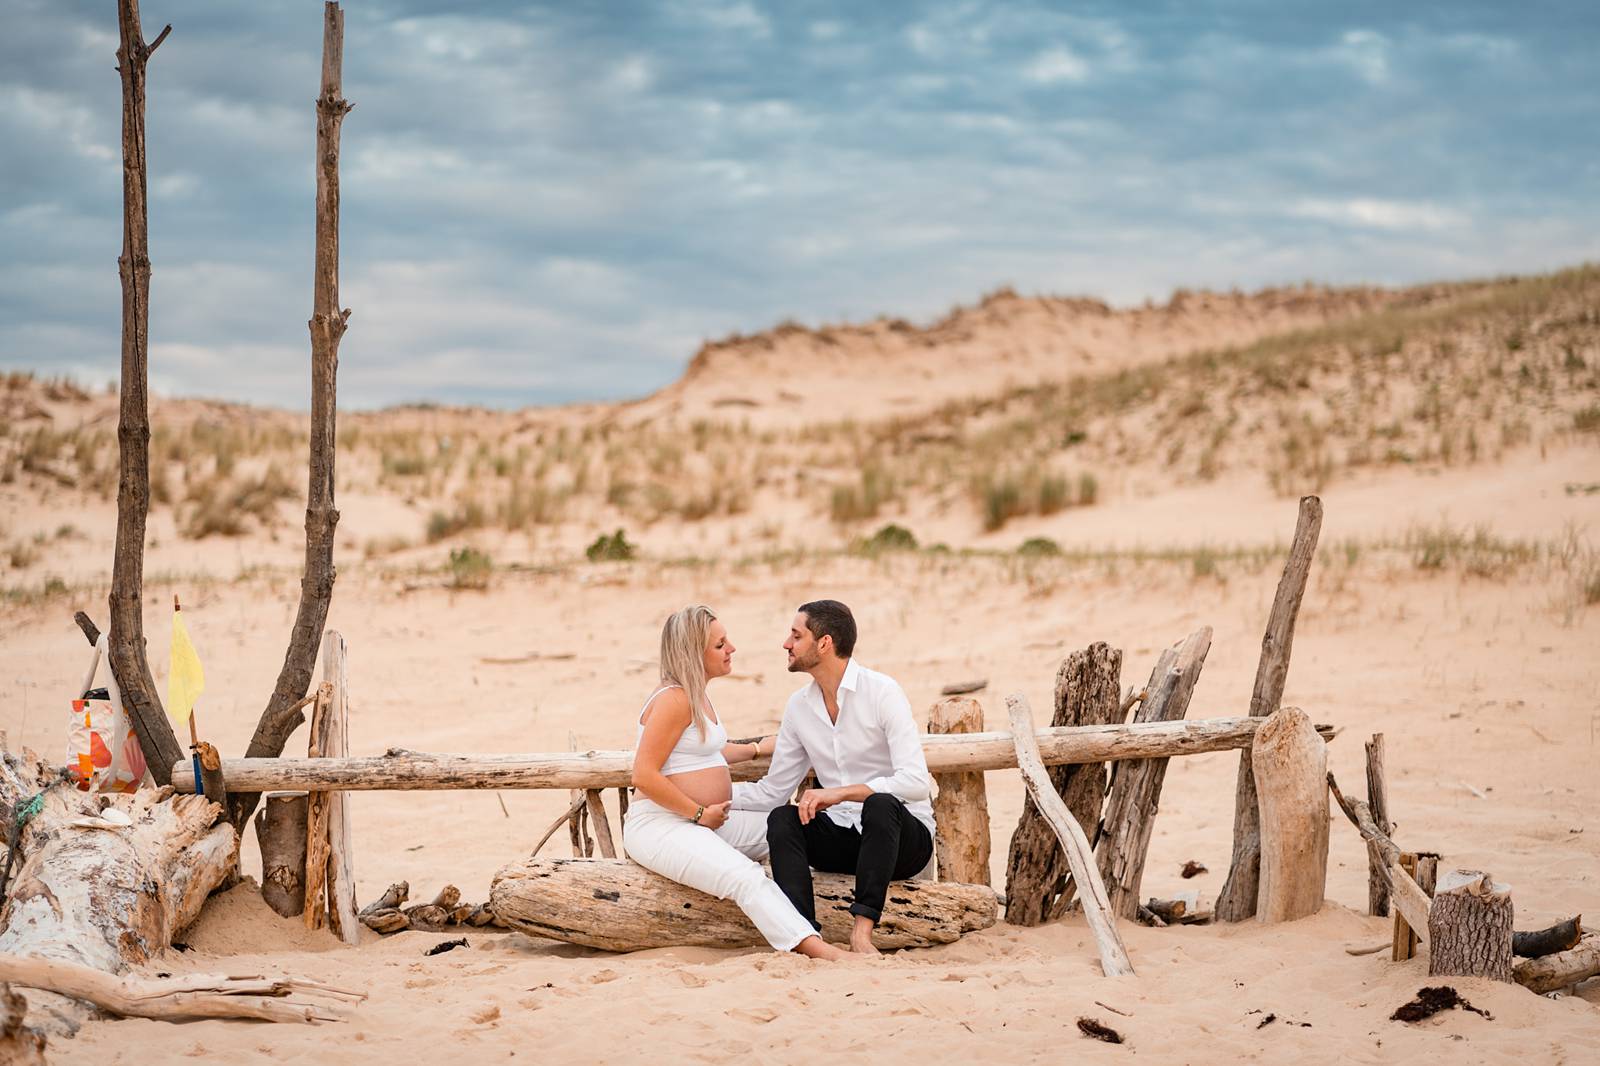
690, 752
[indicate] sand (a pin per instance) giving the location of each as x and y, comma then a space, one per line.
1484, 684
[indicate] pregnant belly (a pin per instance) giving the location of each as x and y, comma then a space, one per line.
708, 786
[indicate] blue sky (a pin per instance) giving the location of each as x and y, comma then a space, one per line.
553, 202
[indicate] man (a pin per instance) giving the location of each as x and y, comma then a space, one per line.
853, 726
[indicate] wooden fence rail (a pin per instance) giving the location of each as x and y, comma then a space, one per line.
400, 769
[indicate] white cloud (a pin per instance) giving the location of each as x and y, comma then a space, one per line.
1056, 65
825, 30
741, 16
1367, 53
1381, 214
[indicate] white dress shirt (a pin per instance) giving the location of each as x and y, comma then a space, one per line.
875, 743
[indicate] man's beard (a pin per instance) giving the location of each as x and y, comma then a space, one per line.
797, 665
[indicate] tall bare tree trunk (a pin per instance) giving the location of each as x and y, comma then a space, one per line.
126, 647
282, 715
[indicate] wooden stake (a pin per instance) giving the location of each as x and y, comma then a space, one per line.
1378, 802
327, 326
1135, 792
602, 827
335, 740
1291, 766
1405, 938
582, 846
961, 807
317, 820
1097, 910
1237, 900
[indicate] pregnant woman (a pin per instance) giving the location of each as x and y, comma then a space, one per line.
679, 825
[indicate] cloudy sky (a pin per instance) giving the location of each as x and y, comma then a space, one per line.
552, 202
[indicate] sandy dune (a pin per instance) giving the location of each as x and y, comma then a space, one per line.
1480, 670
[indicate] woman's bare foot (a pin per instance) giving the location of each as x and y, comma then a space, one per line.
814, 947
861, 937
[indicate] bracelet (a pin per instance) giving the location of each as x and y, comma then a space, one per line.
698, 811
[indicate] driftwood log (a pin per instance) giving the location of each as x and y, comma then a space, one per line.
281, 834
1097, 910
104, 890
618, 905
1563, 936
1135, 793
126, 647
1038, 878
1237, 900
1470, 927
1378, 803
262, 998
969, 752
961, 807
282, 715
1562, 969
1290, 762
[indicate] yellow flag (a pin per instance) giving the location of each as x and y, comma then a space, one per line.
185, 681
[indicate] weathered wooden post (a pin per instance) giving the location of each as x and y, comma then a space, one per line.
281, 833
1039, 883
961, 809
1469, 927
1237, 900
327, 324
1135, 794
1290, 762
1378, 802
1114, 961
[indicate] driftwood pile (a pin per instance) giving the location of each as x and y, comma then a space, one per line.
388, 914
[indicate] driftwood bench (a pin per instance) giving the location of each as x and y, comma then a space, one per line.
618, 905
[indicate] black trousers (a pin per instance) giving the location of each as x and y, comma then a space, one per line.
891, 845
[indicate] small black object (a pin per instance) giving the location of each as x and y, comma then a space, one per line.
180, 945
1268, 1020
613, 896
440, 949
1091, 1028
1431, 1001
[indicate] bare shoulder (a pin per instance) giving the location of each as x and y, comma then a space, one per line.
669, 706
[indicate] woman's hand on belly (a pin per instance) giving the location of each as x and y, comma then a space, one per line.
712, 785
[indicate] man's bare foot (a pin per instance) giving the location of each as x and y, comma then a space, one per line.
814, 947
861, 937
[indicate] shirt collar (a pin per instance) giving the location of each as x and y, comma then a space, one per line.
852, 673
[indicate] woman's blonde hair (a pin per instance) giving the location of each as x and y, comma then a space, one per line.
683, 658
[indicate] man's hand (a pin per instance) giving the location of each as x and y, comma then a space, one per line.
715, 815
816, 800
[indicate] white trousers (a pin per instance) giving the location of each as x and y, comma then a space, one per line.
720, 862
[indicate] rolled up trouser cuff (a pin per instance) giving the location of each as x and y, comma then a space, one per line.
861, 910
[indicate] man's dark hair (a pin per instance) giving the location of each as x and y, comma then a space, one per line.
830, 618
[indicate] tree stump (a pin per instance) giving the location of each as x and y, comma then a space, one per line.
961, 808
1038, 878
1290, 764
1470, 927
281, 832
